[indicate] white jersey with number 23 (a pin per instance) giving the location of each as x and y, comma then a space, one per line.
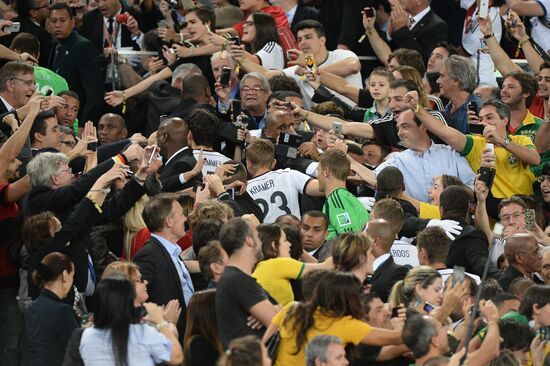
277, 192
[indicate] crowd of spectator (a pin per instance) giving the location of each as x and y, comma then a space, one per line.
283, 182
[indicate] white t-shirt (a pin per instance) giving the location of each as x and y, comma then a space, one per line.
333, 56
276, 192
539, 32
213, 159
272, 56
471, 41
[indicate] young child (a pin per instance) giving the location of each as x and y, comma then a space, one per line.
379, 88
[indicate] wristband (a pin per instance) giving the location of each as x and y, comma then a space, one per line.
162, 324
120, 158
521, 43
94, 202
123, 102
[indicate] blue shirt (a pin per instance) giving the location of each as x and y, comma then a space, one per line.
419, 170
174, 250
146, 346
459, 119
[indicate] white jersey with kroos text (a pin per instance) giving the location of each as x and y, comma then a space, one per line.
277, 192
213, 159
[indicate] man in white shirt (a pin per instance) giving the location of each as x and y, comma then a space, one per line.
275, 191
423, 159
311, 40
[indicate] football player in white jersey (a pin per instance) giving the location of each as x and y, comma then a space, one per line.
203, 132
275, 191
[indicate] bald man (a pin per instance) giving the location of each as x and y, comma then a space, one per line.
524, 259
386, 271
180, 169
277, 121
111, 128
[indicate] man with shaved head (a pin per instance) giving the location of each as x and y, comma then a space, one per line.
277, 121
111, 128
524, 259
386, 271
180, 169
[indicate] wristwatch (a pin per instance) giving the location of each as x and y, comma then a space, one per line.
507, 141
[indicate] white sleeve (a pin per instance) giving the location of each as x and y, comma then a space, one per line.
545, 4
271, 56
298, 180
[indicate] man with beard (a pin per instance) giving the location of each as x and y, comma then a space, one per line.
518, 91
238, 295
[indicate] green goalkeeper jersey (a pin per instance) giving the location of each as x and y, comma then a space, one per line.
345, 213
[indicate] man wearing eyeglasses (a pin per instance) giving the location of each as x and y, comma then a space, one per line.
16, 85
255, 91
524, 259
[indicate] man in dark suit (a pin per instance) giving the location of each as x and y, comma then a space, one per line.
524, 259
77, 61
181, 170
159, 260
32, 16
313, 231
386, 271
296, 11
414, 25
101, 28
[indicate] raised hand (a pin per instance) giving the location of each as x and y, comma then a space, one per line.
114, 98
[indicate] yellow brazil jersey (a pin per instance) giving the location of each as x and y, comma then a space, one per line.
274, 275
428, 211
350, 331
512, 176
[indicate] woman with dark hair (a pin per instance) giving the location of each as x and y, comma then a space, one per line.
245, 351
262, 41
334, 309
202, 341
118, 338
49, 322
277, 268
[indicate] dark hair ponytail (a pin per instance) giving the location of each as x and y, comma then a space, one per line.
51, 267
114, 311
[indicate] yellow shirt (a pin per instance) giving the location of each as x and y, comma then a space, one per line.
428, 211
349, 330
273, 275
512, 176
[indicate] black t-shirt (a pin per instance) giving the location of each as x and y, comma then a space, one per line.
236, 293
